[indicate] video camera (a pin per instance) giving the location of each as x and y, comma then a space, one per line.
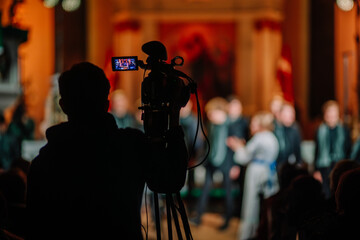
163, 91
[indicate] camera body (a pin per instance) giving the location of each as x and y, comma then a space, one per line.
163, 91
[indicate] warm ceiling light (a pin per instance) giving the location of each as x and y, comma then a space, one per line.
345, 5
67, 5
71, 5
50, 3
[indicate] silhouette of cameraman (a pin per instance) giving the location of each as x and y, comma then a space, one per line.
88, 181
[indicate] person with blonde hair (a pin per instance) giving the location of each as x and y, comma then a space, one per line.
119, 105
275, 107
259, 154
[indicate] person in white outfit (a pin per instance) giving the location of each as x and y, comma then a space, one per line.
259, 154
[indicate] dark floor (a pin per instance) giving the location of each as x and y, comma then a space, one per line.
211, 220
208, 230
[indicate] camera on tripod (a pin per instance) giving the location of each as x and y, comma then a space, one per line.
163, 91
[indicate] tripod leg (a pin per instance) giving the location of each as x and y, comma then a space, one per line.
176, 220
183, 215
168, 213
157, 216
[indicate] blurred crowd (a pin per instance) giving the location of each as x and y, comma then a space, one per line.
13, 171
259, 155
281, 196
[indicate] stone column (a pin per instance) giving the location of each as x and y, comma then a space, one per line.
244, 85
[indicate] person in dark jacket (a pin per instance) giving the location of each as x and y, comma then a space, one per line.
238, 123
8, 146
21, 126
216, 112
355, 151
189, 122
88, 180
333, 143
238, 127
288, 134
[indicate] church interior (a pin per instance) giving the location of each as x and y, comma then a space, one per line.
305, 52
245, 39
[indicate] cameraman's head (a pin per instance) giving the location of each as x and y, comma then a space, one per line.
84, 91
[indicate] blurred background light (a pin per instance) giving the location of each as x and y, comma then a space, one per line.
50, 3
67, 5
345, 5
70, 5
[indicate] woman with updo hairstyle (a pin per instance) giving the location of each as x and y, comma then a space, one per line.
259, 154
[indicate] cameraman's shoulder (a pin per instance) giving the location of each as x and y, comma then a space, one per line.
57, 132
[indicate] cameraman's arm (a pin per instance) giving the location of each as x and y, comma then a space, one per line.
168, 163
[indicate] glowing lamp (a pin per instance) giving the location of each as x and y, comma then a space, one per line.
70, 5
50, 3
345, 5
67, 5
